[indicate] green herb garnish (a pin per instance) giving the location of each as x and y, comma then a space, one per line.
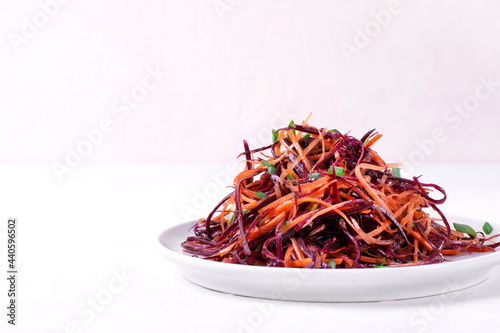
487, 228
260, 194
270, 167
396, 172
331, 263
314, 175
339, 171
275, 136
465, 229
377, 265
291, 125
231, 217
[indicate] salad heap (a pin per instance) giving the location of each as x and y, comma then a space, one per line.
316, 198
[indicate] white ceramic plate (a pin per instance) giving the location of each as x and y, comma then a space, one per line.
325, 285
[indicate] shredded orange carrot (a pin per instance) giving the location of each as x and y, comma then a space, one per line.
452, 252
373, 140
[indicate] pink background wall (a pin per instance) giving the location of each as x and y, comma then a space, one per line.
235, 69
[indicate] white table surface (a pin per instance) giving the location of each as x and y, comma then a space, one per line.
76, 236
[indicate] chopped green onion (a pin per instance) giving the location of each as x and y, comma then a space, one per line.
275, 136
260, 194
289, 176
266, 163
231, 214
270, 167
334, 130
314, 175
339, 171
379, 265
396, 172
258, 247
331, 263
231, 217
487, 228
307, 136
244, 211
291, 125
465, 229
314, 207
